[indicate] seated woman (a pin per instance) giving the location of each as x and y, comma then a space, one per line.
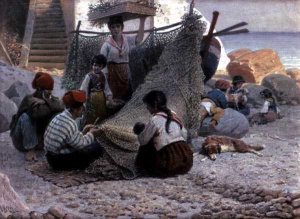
237, 95
66, 147
97, 90
163, 151
28, 126
269, 112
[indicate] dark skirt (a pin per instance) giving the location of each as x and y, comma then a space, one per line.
118, 80
173, 159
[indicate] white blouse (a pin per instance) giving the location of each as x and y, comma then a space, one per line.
157, 125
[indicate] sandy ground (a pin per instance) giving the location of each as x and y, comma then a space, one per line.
229, 182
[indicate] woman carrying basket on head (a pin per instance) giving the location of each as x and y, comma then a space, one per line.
116, 49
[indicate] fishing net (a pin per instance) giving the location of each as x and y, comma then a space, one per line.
179, 75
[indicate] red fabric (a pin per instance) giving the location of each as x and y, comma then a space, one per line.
43, 81
222, 84
74, 97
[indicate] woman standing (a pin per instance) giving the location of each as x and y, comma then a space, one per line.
116, 49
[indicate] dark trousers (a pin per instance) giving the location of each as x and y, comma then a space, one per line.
76, 160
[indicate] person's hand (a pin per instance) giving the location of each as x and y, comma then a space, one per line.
94, 130
87, 128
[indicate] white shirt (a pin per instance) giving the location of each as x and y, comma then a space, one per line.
157, 124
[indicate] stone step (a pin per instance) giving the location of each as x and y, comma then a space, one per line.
48, 2
48, 7
52, 25
56, 59
49, 14
41, 11
45, 52
49, 46
46, 65
48, 19
48, 41
49, 30
50, 35
59, 23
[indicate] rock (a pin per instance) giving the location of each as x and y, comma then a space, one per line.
254, 66
17, 89
17, 100
9, 200
56, 211
36, 215
294, 73
296, 203
7, 110
254, 98
283, 87
296, 212
238, 53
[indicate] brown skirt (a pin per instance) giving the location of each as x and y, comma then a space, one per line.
173, 159
118, 80
96, 108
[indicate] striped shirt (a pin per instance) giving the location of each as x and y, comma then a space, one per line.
62, 135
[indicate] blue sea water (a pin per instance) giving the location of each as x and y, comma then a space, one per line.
287, 45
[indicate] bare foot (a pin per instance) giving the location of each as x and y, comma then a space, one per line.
31, 156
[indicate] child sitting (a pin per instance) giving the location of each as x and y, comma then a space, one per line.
269, 112
209, 108
237, 95
163, 151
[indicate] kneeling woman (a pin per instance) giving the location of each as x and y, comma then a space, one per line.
163, 151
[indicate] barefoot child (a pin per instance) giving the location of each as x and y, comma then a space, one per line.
163, 151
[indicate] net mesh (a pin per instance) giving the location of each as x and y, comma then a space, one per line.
178, 74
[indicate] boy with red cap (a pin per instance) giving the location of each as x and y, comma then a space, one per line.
66, 147
35, 112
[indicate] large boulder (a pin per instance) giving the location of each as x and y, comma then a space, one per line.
255, 100
254, 66
238, 53
10, 202
283, 87
17, 91
7, 109
10, 74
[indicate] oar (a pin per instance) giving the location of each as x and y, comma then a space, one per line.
241, 24
245, 30
209, 36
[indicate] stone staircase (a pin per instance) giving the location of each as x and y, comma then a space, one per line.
49, 40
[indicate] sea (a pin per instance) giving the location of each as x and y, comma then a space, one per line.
287, 45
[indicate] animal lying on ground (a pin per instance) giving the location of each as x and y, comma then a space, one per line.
218, 144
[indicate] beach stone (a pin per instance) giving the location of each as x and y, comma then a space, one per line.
283, 87
9, 200
36, 215
294, 73
56, 211
17, 89
296, 203
254, 66
254, 98
296, 212
7, 110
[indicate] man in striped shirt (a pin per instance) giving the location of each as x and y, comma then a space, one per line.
66, 147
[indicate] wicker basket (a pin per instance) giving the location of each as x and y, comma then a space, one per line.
128, 11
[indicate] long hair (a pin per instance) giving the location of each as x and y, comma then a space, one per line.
158, 100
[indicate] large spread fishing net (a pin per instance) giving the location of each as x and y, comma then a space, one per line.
179, 75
